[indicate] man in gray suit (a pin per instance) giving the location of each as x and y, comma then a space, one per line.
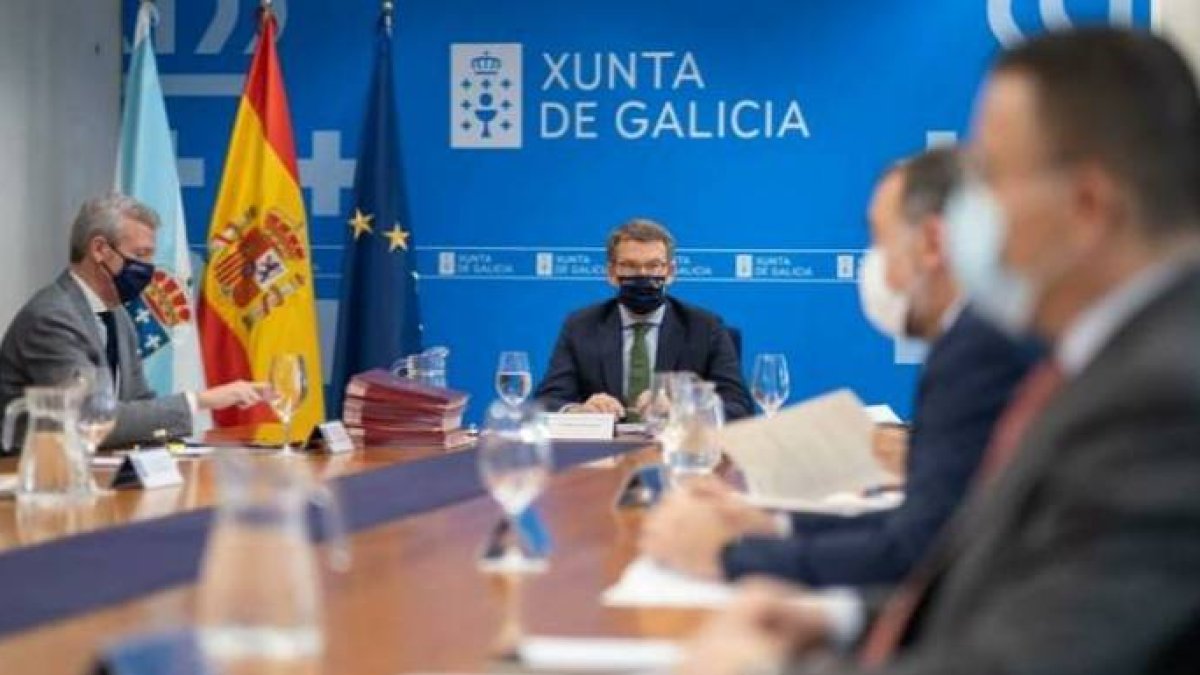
1079, 550
79, 322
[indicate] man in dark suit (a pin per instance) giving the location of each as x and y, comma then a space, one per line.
907, 291
1080, 553
606, 353
79, 322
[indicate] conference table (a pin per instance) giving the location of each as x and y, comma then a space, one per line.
413, 599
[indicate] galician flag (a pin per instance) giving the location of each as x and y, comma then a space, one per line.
164, 313
258, 296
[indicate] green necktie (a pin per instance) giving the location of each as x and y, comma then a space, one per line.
639, 368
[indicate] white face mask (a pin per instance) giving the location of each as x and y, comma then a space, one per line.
975, 230
886, 308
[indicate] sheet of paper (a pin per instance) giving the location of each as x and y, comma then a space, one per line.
883, 414
581, 426
194, 451
838, 504
807, 451
560, 654
646, 584
107, 461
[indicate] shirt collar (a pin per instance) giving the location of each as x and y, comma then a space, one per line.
93, 299
1099, 323
950, 316
654, 318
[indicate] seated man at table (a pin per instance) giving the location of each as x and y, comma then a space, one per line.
607, 352
1079, 552
79, 322
907, 291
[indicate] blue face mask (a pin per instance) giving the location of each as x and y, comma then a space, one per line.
133, 278
976, 226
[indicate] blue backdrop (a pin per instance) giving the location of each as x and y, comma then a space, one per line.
753, 129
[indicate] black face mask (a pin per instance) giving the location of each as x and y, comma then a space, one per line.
642, 294
133, 278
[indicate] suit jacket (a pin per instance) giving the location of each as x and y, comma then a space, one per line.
1083, 556
56, 332
967, 381
588, 356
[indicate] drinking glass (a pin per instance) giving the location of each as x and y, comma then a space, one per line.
514, 380
697, 416
97, 415
288, 382
769, 383
514, 464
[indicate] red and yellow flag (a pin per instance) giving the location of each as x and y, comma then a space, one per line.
258, 295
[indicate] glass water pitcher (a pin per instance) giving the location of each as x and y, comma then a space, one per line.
53, 465
260, 592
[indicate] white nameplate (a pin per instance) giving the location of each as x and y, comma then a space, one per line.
337, 439
148, 469
581, 426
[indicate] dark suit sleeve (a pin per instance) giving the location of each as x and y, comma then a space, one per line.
965, 393
560, 386
724, 370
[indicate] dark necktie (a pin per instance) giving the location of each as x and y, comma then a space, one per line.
110, 341
893, 623
639, 367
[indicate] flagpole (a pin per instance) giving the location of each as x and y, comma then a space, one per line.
388, 8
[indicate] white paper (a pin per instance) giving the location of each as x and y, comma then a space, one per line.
632, 429
647, 584
883, 414
194, 451
808, 451
581, 426
156, 468
838, 504
107, 461
8, 484
558, 654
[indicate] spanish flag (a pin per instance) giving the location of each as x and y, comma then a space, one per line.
258, 295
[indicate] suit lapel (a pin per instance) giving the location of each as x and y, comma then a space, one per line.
612, 357
670, 341
127, 342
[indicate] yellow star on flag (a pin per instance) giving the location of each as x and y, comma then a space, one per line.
397, 238
360, 223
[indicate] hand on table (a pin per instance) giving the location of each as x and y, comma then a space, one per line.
765, 624
688, 529
602, 403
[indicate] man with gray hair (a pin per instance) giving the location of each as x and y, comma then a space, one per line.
78, 323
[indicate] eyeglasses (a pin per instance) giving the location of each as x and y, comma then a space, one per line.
654, 268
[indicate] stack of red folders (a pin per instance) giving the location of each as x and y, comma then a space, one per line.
385, 410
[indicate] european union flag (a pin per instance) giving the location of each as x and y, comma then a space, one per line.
378, 319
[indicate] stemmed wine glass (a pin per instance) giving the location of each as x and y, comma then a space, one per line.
514, 463
770, 384
514, 380
288, 382
97, 416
